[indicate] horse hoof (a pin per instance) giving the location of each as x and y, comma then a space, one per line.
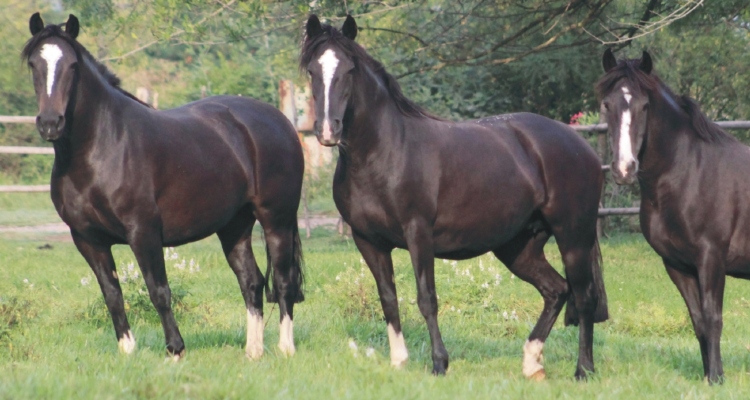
126, 344
286, 349
254, 353
176, 357
538, 376
439, 368
399, 363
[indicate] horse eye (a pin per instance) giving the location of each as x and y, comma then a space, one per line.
606, 106
645, 107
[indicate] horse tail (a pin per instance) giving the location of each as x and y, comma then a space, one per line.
601, 313
298, 274
296, 271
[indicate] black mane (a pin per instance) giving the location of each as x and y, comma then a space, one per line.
57, 31
630, 70
358, 54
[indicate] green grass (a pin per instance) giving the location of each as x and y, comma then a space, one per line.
57, 342
25, 209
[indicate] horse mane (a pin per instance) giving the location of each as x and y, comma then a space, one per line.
357, 53
81, 52
703, 127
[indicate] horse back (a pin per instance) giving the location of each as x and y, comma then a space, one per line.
260, 137
568, 166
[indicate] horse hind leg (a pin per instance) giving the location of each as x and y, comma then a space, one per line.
236, 242
284, 252
524, 257
583, 272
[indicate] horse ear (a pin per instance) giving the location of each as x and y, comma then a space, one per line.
72, 27
608, 60
313, 27
350, 27
36, 24
646, 64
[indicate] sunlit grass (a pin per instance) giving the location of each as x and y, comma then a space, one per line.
56, 342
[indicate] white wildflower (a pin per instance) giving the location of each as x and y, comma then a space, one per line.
85, 280
194, 267
370, 352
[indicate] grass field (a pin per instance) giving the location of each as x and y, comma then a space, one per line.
56, 339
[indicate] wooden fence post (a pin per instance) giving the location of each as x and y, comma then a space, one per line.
601, 148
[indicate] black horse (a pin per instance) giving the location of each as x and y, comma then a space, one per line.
456, 190
694, 190
126, 173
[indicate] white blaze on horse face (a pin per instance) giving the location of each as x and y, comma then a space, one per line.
625, 154
532, 359
51, 53
399, 354
254, 345
286, 336
126, 343
329, 62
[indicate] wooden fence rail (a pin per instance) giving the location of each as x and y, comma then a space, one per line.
600, 129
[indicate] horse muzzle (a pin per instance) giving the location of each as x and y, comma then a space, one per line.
50, 126
624, 174
329, 134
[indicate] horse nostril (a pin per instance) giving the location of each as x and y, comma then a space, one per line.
60, 122
336, 125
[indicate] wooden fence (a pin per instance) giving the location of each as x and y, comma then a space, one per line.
599, 129
601, 149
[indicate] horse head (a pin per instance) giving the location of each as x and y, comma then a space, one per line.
330, 68
624, 104
54, 65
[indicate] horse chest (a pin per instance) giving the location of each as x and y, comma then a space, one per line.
368, 210
85, 209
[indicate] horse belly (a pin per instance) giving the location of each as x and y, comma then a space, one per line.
198, 214
481, 228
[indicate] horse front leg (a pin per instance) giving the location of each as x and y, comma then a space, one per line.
381, 266
421, 249
687, 284
147, 247
99, 258
711, 278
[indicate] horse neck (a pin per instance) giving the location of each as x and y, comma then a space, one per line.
92, 109
667, 138
374, 126
98, 103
